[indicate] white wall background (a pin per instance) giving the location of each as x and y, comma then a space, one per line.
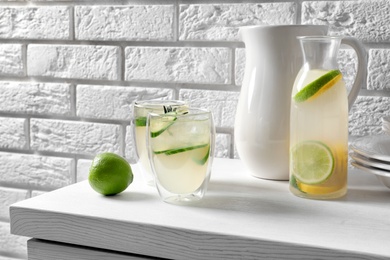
69, 71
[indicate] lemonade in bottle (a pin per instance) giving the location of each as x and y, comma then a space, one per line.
319, 123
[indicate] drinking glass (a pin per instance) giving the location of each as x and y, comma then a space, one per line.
180, 148
138, 124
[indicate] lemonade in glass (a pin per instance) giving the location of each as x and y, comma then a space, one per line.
140, 112
181, 147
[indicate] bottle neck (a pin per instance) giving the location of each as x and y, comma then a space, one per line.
320, 52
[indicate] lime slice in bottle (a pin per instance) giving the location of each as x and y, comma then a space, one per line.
294, 183
312, 162
318, 86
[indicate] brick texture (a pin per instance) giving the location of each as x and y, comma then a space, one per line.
353, 18
379, 69
35, 98
220, 22
11, 245
222, 103
11, 61
114, 102
9, 196
44, 22
153, 22
223, 144
13, 133
366, 115
33, 171
74, 61
74, 137
182, 65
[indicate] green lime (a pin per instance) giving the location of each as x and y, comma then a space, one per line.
110, 174
318, 86
312, 162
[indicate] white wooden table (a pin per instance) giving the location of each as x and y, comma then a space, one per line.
241, 217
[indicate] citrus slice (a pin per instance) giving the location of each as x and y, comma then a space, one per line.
312, 162
180, 150
318, 86
294, 183
202, 159
140, 121
158, 127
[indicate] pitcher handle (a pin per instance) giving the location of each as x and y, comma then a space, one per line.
361, 74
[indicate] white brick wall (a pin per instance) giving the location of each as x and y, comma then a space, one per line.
11, 61
44, 22
220, 22
74, 61
124, 23
33, 98
182, 65
70, 70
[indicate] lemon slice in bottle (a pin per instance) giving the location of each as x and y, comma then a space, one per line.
312, 162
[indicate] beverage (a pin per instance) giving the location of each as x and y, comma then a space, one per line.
180, 152
318, 132
140, 112
319, 119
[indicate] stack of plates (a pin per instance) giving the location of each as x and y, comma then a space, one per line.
372, 154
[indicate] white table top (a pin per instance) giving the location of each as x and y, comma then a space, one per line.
241, 217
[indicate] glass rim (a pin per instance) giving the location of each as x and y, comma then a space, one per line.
319, 37
158, 102
199, 111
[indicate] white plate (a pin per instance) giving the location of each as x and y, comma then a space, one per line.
383, 176
370, 162
373, 147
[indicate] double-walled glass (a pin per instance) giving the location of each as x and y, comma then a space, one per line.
138, 124
181, 148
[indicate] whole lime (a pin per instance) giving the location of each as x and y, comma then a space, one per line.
110, 174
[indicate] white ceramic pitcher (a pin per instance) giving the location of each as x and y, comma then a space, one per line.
273, 59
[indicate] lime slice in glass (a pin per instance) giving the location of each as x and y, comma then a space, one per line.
318, 86
158, 126
180, 150
202, 157
312, 162
140, 121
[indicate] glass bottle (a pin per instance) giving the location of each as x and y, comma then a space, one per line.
319, 119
